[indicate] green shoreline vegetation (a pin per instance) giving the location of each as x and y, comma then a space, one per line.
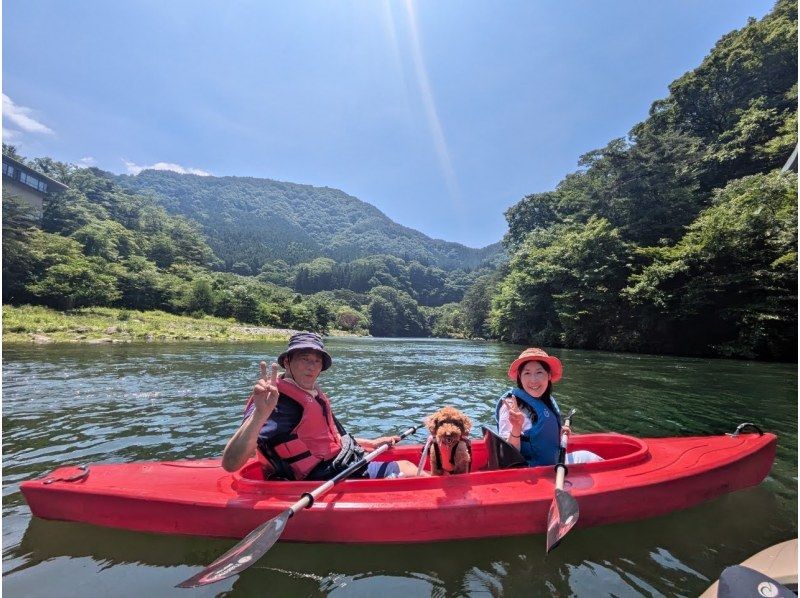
94, 325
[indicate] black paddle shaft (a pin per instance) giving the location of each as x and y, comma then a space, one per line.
308, 498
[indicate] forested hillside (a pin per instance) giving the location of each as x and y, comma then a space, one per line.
102, 245
681, 237
251, 222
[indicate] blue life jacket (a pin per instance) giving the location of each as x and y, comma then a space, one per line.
538, 444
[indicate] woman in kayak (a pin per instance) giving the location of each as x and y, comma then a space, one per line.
528, 417
290, 426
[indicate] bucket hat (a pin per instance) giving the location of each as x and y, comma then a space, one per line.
305, 341
534, 354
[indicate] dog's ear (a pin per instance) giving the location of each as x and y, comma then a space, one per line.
430, 423
467, 425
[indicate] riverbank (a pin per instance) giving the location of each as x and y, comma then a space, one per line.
96, 325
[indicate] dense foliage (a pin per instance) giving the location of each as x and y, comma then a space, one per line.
427, 285
680, 238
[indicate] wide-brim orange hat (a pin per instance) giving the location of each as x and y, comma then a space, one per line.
533, 354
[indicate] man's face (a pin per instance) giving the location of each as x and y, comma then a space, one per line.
305, 367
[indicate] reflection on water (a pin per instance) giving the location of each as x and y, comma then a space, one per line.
124, 403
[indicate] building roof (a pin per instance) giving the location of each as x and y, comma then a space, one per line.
24, 168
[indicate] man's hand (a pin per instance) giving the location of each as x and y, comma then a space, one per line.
390, 440
265, 392
242, 444
371, 445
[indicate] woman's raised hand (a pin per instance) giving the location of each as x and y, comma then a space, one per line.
265, 392
515, 417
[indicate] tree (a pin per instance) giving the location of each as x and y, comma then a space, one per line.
161, 250
11, 150
445, 321
563, 288
350, 319
107, 239
533, 212
303, 317
730, 285
76, 284
383, 317
68, 211
60, 171
143, 286
241, 303
201, 297
395, 313
18, 262
276, 272
476, 304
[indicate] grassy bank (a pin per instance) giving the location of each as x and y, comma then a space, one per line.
34, 324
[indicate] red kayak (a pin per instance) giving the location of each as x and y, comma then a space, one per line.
639, 478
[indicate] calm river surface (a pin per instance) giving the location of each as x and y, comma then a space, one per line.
89, 404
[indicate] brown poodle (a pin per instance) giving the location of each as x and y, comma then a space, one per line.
451, 452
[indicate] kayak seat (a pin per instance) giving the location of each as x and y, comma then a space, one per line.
500, 454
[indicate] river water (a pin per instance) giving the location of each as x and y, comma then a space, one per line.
89, 404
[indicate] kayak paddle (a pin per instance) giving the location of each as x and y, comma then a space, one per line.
563, 513
739, 581
262, 538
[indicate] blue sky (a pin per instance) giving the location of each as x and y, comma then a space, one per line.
441, 113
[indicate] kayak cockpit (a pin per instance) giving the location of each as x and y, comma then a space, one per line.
617, 451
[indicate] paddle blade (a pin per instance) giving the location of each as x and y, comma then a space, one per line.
740, 582
563, 515
244, 554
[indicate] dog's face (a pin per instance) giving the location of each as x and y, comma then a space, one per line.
448, 426
448, 435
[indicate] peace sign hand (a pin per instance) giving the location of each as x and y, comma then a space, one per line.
515, 417
265, 392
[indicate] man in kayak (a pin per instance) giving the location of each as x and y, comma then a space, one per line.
528, 417
289, 424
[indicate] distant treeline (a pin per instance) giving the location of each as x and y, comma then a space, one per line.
680, 238
100, 245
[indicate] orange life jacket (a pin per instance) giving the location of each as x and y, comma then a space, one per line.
315, 439
453, 454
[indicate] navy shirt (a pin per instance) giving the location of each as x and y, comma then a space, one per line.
283, 419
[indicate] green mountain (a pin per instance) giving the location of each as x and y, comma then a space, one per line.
250, 221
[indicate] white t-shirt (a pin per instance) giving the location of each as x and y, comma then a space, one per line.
504, 424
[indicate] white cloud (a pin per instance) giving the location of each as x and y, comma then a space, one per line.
19, 117
87, 161
136, 169
10, 135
